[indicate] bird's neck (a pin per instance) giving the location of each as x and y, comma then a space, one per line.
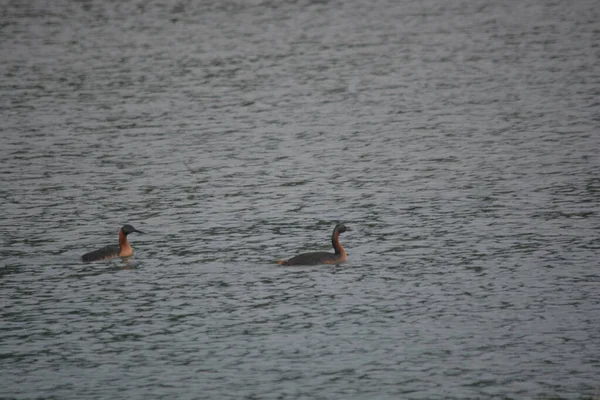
123, 243
335, 241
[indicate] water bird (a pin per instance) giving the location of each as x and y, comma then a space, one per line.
322, 257
123, 249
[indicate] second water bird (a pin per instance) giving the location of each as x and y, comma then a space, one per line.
323, 257
123, 249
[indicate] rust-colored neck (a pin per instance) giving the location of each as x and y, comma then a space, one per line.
126, 249
337, 246
123, 239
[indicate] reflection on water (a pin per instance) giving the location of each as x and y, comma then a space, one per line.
458, 140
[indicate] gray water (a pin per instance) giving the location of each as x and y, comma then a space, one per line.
459, 139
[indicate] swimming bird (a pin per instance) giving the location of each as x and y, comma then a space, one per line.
123, 249
322, 257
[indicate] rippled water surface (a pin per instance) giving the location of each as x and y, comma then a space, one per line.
459, 139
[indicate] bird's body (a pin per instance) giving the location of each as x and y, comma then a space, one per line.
123, 249
322, 257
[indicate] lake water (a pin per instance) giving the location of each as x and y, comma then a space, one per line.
459, 139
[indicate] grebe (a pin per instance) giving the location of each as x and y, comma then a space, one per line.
323, 257
123, 249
